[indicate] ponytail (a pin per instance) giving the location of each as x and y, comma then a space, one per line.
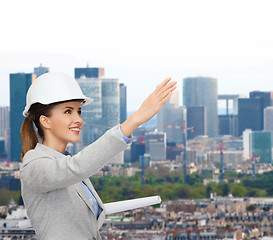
28, 136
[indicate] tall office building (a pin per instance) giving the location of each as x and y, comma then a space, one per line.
171, 119
110, 110
89, 72
123, 102
104, 112
40, 70
91, 113
19, 85
196, 119
110, 102
250, 112
202, 91
268, 119
267, 97
4, 126
261, 145
4, 120
266, 100
258, 144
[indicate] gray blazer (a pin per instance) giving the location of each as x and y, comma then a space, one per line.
56, 202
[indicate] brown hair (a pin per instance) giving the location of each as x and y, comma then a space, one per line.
28, 134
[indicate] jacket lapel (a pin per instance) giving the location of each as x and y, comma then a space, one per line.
82, 194
80, 190
102, 213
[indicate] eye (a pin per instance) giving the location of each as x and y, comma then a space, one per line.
80, 112
67, 110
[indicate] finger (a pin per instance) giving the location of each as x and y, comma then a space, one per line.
162, 84
165, 88
165, 99
163, 95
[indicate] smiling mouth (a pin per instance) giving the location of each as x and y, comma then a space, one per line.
75, 130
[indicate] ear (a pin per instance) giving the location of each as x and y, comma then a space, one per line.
45, 121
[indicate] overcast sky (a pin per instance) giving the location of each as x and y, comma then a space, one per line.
141, 42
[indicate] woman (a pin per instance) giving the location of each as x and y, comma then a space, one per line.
59, 197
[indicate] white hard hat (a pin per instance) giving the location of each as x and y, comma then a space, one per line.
54, 87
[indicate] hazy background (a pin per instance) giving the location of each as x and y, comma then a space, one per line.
141, 42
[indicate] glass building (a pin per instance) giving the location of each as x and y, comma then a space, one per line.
40, 70
19, 85
250, 114
196, 119
261, 145
104, 112
91, 113
123, 102
110, 102
89, 72
202, 91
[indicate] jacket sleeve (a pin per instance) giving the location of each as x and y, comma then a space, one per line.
46, 173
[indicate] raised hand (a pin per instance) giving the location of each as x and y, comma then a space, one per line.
150, 107
155, 100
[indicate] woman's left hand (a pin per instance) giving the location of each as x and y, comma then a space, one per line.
149, 107
155, 101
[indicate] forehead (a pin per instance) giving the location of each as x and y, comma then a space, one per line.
71, 104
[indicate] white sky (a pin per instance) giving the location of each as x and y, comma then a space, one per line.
141, 42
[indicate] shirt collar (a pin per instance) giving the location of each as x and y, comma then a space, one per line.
60, 154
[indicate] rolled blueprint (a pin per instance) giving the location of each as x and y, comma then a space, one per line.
121, 206
114, 207
24, 223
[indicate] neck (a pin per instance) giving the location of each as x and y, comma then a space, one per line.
56, 146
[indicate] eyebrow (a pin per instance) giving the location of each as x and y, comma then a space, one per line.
71, 107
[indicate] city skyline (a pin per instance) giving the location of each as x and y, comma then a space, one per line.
141, 46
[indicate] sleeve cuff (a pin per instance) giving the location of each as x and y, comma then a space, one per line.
126, 139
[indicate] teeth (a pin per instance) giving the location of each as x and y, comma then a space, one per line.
75, 129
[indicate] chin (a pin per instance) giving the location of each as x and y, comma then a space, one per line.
75, 141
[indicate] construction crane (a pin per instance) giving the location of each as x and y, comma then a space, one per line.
185, 145
142, 140
221, 148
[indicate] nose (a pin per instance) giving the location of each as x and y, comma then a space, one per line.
78, 119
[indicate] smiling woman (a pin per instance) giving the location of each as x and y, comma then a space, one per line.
63, 126
61, 201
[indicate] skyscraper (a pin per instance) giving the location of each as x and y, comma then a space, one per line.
104, 112
202, 91
266, 100
40, 70
4, 126
196, 119
123, 102
267, 97
260, 145
4, 120
110, 102
92, 113
250, 111
268, 119
19, 85
89, 72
